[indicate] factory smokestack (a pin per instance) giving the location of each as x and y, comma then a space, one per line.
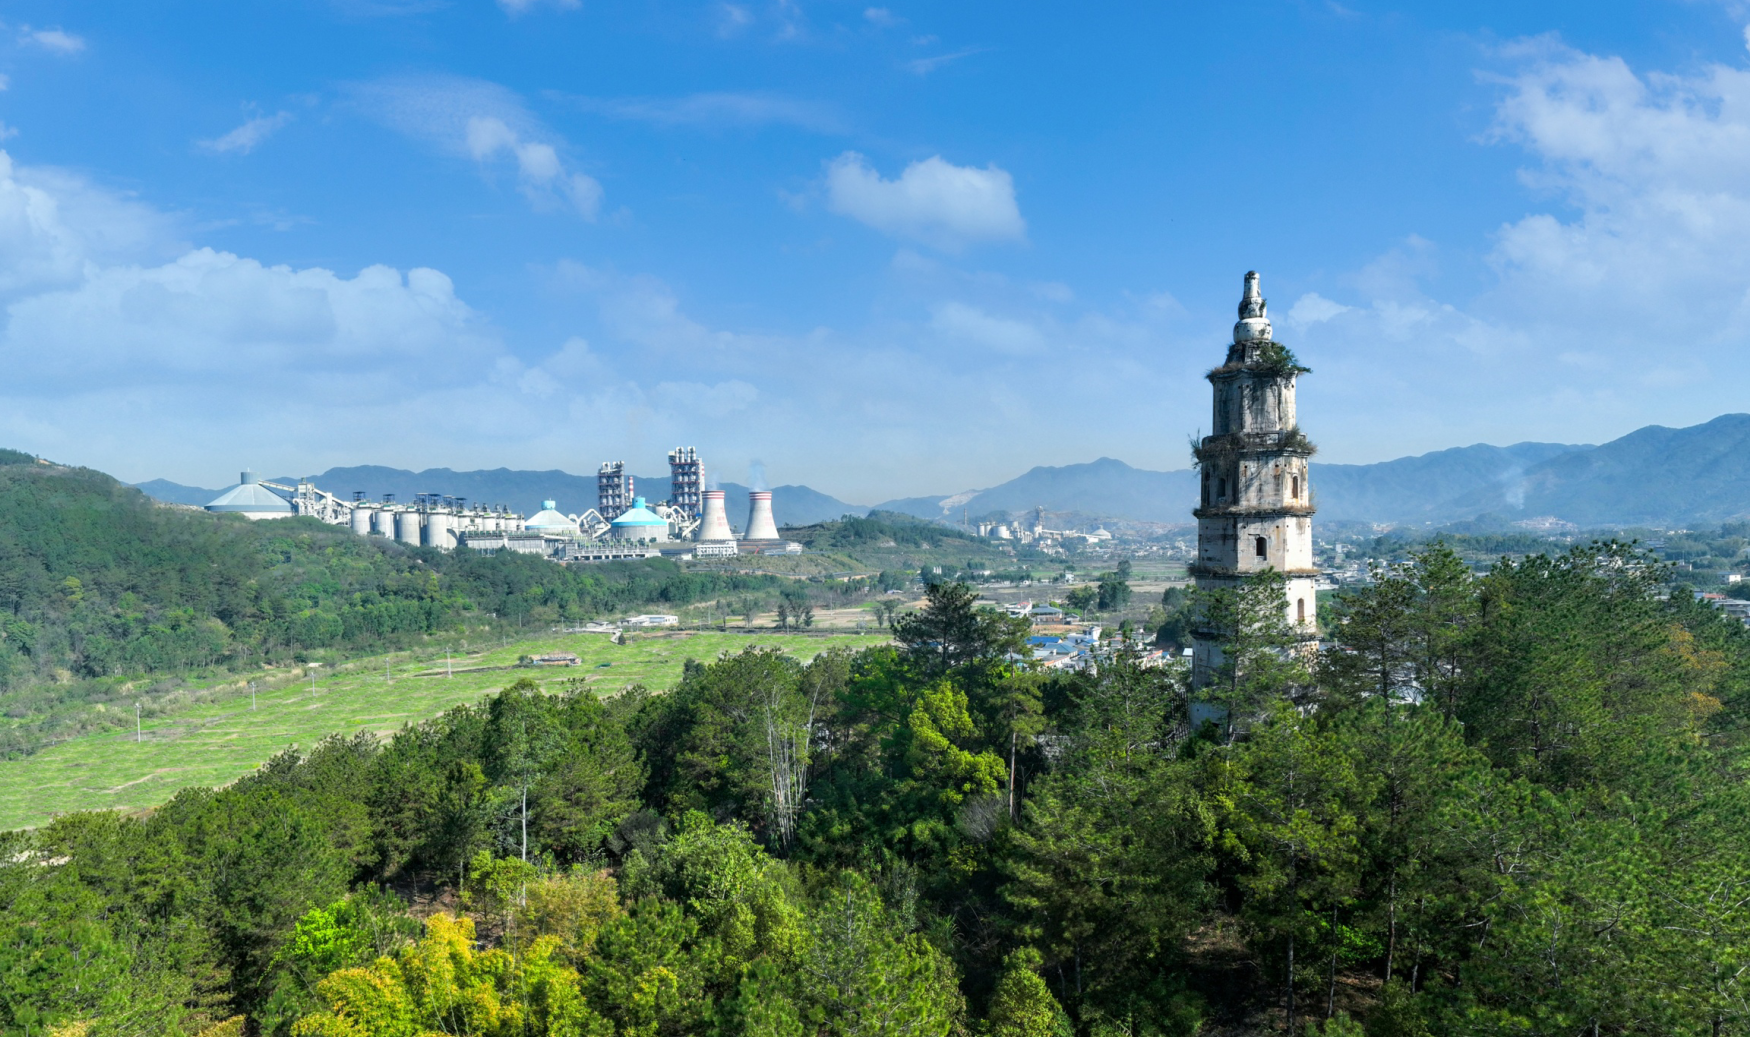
715, 525
759, 516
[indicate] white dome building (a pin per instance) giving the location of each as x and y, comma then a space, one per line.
639, 523
251, 500
549, 520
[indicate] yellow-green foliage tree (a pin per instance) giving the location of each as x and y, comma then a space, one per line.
441, 984
1022, 1005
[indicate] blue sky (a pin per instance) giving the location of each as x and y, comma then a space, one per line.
884, 250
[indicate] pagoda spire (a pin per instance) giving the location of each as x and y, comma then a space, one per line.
1254, 324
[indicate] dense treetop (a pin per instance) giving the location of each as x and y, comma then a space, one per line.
1501, 804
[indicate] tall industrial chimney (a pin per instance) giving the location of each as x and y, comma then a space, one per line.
759, 516
715, 525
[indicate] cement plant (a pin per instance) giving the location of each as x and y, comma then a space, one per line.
690, 522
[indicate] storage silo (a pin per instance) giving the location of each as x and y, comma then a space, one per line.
383, 522
361, 519
407, 527
715, 524
760, 525
437, 530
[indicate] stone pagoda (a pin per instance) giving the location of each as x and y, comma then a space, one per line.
1256, 507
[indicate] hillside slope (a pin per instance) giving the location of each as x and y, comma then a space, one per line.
1656, 475
103, 591
1424, 488
1103, 487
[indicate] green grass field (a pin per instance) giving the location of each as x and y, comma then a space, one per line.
214, 743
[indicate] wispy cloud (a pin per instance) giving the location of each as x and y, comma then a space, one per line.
961, 324
487, 123
732, 19
715, 110
1313, 308
55, 41
924, 66
880, 16
516, 7
932, 201
244, 138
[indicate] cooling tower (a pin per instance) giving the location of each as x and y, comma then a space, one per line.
715, 524
759, 516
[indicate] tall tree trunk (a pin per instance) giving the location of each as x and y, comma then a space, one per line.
1291, 984
1391, 925
1011, 775
1331, 990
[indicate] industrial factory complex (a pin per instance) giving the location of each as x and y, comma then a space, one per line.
691, 522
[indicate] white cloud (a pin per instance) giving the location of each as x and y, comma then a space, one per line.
54, 225
963, 324
1658, 167
55, 41
133, 353
488, 123
924, 66
1622, 299
718, 400
732, 19
212, 317
1313, 308
642, 310
5, 81
932, 201
190, 356
244, 138
880, 16
574, 359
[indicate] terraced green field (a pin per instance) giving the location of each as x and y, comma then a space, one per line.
217, 742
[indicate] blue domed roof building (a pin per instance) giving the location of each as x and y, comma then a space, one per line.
639, 523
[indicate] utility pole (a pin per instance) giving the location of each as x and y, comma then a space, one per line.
252, 696
139, 732
447, 671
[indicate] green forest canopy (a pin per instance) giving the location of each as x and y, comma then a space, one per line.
1501, 804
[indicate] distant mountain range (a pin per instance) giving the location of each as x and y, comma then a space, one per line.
1655, 476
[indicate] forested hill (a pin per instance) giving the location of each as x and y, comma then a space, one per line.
1507, 804
100, 585
884, 529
